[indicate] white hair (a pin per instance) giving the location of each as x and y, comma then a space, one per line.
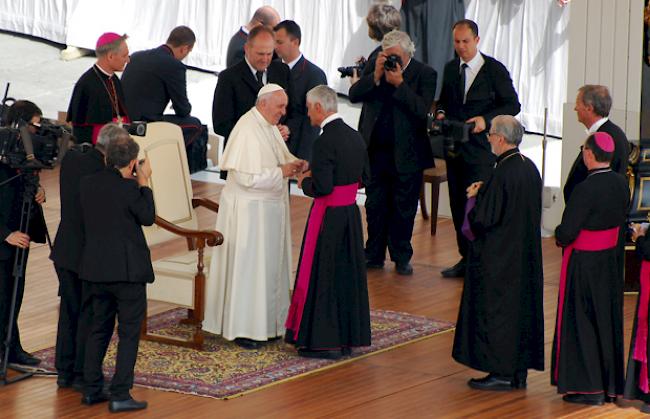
400, 38
110, 132
324, 95
509, 128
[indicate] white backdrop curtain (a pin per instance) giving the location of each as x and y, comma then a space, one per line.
528, 36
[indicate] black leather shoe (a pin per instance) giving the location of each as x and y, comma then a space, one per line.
456, 271
374, 265
94, 398
588, 399
248, 343
491, 383
116, 406
24, 358
404, 269
645, 408
327, 354
346, 351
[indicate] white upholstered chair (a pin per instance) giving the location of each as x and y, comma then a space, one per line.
180, 279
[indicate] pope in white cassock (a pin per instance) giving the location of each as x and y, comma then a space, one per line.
247, 291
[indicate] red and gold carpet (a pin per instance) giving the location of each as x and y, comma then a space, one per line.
224, 370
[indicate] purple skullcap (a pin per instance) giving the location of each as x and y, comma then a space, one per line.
107, 38
604, 141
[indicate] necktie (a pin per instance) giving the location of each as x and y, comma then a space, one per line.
463, 79
259, 75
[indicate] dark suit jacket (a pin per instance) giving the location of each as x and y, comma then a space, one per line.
579, 171
411, 102
114, 209
8, 198
235, 52
11, 200
153, 78
304, 76
491, 94
236, 93
77, 163
340, 158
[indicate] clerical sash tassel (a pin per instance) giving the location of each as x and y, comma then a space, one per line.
340, 196
589, 241
641, 338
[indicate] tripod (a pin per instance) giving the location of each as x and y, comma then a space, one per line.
30, 182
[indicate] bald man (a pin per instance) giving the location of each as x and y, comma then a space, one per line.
266, 16
237, 86
247, 292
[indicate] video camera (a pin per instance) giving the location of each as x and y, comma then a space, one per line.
22, 149
349, 71
447, 135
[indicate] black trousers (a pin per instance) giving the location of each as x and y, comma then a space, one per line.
75, 313
6, 290
127, 301
391, 204
460, 175
195, 136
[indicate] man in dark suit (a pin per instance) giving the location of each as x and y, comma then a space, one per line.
237, 87
304, 76
74, 316
115, 267
11, 237
157, 76
396, 100
475, 89
265, 15
593, 104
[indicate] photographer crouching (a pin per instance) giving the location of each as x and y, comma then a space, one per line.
115, 267
397, 92
475, 89
21, 113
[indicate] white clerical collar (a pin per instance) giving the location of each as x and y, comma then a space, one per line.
329, 119
293, 63
474, 63
596, 125
245, 30
102, 70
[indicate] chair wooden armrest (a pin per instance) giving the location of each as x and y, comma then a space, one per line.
196, 240
209, 237
205, 203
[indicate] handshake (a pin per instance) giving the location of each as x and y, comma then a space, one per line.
295, 168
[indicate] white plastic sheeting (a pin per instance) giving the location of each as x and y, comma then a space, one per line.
528, 36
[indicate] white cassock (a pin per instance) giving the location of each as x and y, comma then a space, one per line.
247, 291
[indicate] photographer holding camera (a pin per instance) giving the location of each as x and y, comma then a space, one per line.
74, 316
20, 113
475, 89
397, 92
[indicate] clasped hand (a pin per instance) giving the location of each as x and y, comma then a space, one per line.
472, 190
294, 168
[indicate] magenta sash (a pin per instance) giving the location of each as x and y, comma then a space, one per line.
641, 339
340, 196
590, 241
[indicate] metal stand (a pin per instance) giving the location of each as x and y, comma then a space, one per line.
30, 182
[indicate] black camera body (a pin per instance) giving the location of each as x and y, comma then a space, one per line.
349, 70
391, 62
138, 128
447, 135
22, 150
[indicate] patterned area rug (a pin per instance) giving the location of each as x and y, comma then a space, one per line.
224, 370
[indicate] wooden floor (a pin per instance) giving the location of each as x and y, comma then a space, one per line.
417, 380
